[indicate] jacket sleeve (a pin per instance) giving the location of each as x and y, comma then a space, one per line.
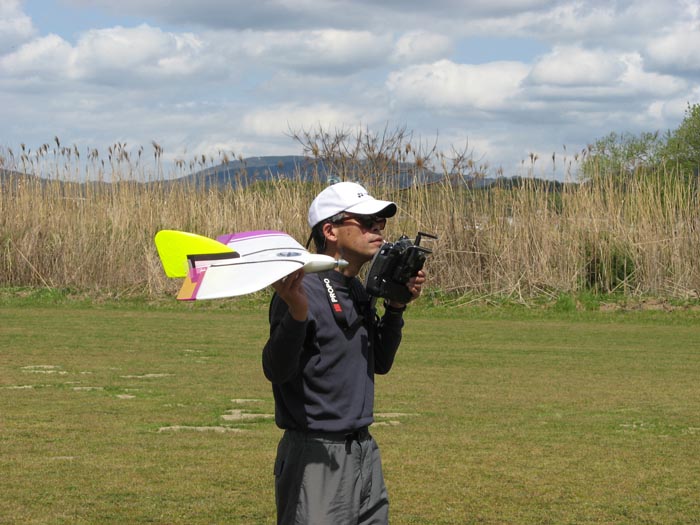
387, 338
281, 353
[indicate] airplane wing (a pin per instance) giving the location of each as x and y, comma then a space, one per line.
237, 264
260, 242
174, 247
239, 278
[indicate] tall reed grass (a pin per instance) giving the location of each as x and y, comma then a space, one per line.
637, 234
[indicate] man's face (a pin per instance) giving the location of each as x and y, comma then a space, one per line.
359, 237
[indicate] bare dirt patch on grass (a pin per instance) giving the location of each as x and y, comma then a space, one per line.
389, 419
236, 414
647, 305
43, 369
217, 429
146, 376
231, 415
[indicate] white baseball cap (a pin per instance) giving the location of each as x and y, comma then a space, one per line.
349, 197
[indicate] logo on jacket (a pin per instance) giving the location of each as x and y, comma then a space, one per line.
332, 296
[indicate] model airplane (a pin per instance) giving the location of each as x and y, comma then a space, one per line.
234, 264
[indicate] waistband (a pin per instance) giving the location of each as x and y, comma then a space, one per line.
359, 435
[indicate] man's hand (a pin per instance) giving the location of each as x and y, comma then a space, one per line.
292, 292
415, 285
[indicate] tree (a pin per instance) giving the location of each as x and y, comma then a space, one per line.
619, 155
683, 145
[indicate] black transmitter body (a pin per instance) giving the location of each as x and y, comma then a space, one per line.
393, 265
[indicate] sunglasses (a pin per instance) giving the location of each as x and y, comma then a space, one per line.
365, 221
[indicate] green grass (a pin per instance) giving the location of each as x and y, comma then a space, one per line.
489, 416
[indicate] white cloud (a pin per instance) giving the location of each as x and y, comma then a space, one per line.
240, 14
114, 56
679, 50
421, 46
142, 51
574, 66
328, 51
41, 59
447, 85
576, 74
241, 74
281, 119
644, 82
573, 20
314, 14
15, 26
673, 109
567, 21
621, 25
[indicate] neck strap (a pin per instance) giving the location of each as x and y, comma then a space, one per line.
336, 307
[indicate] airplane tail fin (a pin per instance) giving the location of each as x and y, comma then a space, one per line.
188, 291
174, 247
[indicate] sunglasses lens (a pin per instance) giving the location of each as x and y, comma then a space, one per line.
371, 220
365, 221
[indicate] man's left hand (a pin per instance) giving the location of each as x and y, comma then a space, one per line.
415, 285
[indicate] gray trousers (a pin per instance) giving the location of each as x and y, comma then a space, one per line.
330, 479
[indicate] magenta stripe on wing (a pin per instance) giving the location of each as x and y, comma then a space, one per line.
227, 238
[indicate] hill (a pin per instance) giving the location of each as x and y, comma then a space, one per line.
293, 167
252, 170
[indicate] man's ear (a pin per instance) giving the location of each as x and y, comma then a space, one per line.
329, 232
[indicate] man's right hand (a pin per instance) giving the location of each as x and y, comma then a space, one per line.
292, 292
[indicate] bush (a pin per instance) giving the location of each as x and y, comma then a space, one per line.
609, 265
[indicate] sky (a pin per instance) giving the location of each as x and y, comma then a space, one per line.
501, 79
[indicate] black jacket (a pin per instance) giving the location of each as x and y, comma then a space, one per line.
322, 370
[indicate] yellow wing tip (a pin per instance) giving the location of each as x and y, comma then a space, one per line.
174, 246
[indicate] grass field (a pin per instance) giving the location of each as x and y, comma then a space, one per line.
134, 414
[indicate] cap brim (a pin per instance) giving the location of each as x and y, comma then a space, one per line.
374, 207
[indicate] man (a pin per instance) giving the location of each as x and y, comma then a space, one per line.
325, 346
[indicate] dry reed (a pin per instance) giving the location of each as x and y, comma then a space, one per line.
639, 236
